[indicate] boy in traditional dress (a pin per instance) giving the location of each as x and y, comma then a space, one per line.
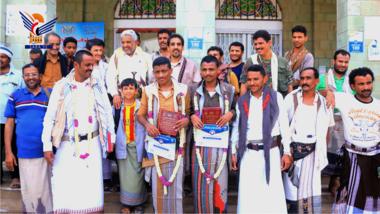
310, 119
165, 174
129, 148
210, 194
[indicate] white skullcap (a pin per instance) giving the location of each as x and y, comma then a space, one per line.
6, 51
129, 33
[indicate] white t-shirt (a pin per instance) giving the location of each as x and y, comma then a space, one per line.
361, 120
166, 93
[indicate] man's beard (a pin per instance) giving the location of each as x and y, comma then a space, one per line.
361, 94
236, 60
339, 72
33, 86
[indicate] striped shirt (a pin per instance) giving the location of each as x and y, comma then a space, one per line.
29, 111
129, 122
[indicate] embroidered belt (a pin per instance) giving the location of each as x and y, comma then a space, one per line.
81, 137
362, 149
301, 150
258, 144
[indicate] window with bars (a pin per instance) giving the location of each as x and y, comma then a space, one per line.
248, 9
224, 39
146, 9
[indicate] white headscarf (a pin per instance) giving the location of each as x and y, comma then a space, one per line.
7, 52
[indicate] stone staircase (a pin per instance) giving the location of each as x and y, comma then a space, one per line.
11, 199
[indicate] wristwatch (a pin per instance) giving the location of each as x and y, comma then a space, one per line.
288, 154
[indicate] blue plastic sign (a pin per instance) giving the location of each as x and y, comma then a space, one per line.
356, 42
195, 39
195, 43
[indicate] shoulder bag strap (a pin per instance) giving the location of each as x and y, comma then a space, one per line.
47, 92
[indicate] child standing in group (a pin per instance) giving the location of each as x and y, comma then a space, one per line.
129, 149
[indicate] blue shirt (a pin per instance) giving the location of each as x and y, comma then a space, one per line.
237, 70
29, 111
9, 83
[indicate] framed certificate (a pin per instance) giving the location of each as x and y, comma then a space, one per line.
213, 136
210, 115
166, 122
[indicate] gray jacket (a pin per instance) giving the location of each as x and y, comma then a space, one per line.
121, 138
196, 88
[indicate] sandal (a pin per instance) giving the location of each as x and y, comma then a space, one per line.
139, 209
107, 185
125, 207
15, 183
115, 188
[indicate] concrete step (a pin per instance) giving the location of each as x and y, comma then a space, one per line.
11, 198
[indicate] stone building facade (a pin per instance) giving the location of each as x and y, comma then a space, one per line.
329, 22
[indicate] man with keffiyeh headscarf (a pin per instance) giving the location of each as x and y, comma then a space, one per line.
79, 124
336, 80
261, 116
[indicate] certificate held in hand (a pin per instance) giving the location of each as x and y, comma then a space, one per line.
166, 122
210, 115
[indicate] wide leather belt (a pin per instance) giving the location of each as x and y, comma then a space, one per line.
81, 137
258, 144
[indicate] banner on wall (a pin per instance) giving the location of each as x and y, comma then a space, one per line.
374, 50
82, 32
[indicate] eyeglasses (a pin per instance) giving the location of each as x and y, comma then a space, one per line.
33, 75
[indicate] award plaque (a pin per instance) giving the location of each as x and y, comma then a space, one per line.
166, 122
210, 115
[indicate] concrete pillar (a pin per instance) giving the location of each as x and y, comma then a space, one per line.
196, 14
17, 43
351, 18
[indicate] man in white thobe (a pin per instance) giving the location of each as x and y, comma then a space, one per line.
128, 61
260, 117
310, 119
79, 124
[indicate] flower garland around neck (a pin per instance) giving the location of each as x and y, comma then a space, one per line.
182, 142
76, 123
224, 157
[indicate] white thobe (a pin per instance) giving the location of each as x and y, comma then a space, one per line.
255, 195
126, 65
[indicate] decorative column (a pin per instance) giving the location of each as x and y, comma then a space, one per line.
352, 17
196, 17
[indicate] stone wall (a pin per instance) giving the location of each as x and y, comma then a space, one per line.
90, 11
17, 43
351, 16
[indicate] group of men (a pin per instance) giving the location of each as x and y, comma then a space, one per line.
79, 107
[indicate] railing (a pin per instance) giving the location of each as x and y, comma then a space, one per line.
248, 10
146, 9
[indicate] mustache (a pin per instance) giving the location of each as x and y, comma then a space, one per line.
88, 70
252, 85
305, 85
366, 90
176, 50
208, 76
